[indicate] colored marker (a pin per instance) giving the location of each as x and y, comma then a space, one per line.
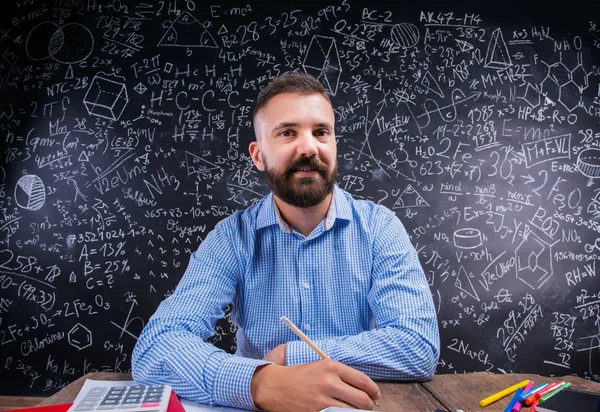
548, 389
551, 394
533, 405
519, 404
531, 399
514, 400
502, 394
526, 395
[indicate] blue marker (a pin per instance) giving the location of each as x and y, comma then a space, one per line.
526, 395
514, 400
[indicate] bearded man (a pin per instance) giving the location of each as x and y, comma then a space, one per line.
341, 269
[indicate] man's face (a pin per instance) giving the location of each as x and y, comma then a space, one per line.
296, 148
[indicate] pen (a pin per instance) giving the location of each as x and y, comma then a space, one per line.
502, 394
307, 340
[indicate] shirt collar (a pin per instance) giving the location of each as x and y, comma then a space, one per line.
268, 213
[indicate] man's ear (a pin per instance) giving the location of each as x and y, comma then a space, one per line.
254, 149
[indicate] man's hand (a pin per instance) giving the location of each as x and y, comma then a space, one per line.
312, 387
277, 355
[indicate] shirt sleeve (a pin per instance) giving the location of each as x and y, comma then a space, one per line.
405, 343
172, 349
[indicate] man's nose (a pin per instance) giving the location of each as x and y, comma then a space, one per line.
306, 144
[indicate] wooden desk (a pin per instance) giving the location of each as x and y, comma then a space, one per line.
445, 392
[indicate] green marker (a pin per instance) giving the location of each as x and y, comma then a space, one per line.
551, 394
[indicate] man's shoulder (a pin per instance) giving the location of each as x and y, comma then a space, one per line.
243, 218
366, 209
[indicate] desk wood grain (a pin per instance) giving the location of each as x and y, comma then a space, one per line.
464, 391
69, 392
394, 396
445, 392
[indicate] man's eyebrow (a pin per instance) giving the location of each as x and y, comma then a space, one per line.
284, 125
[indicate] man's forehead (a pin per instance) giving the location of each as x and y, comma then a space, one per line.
277, 103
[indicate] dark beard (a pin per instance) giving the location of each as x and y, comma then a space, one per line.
304, 192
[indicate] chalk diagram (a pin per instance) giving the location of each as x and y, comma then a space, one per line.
449, 112
70, 43
429, 82
106, 97
405, 35
464, 46
187, 31
532, 256
140, 88
564, 85
532, 95
195, 165
497, 55
463, 282
588, 163
409, 198
30, 192
322, 60
467, 238
128, 321
79, 337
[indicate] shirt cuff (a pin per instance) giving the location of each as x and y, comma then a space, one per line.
298, 352
232, 379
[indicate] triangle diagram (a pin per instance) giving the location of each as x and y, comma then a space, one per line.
409, 198
464, 46
322, 60
69, 74
197, 165
187, 31
430, 83
497, 56
463, 282
83, 157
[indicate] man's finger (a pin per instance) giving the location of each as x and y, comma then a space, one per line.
353, 396
360, 381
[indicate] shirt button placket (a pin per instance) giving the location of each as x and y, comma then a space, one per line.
305, 286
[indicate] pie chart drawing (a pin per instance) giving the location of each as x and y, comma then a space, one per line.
30, 192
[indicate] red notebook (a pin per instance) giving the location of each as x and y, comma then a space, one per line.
174, 406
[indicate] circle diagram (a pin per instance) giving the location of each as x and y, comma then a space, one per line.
588, 162
70, 43
30, 192
405, 35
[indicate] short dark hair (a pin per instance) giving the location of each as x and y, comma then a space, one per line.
300, 83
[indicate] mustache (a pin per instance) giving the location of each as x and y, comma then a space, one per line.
304, 161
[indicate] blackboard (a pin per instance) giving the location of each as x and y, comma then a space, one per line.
124, 128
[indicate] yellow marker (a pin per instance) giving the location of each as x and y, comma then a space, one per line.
502, 394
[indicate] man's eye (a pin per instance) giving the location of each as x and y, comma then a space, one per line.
286, 133
321, 133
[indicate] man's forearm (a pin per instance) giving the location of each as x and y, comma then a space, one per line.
195, 369
387, 353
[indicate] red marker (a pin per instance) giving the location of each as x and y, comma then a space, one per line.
548, 389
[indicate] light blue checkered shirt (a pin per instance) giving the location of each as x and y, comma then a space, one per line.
354, 286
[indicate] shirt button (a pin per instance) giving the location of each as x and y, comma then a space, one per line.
306, 285
306, 326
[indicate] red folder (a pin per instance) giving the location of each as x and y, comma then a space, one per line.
174, 406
